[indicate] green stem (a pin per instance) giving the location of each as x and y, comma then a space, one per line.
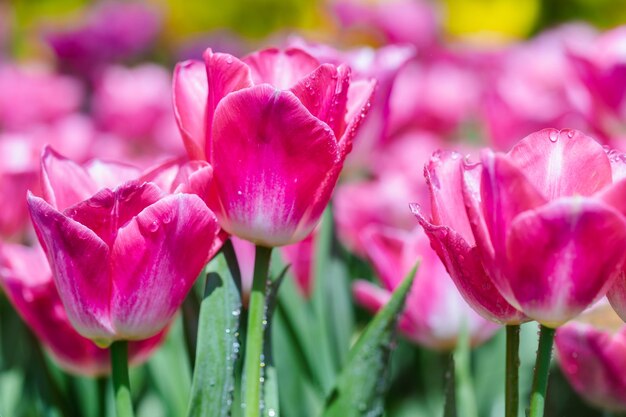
512, 371
121, 383
542, 369
102, 396
254, 339
449, 408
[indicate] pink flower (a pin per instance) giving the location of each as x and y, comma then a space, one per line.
111, 31
34, 94
397, 21
27, 281
545, 223
592, 356
382, 64
435, 313
276, 128
452, 238
536, 87
134, 103
124, 258
601, 67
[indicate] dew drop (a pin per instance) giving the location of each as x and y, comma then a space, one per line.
167, 218
229, 60
570, 134
553, 136
154, 226
239, 192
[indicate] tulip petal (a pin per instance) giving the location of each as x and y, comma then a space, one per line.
190, 93
359, 100
443, 175
225, 74
593, 362
65, 183
505, 193
370, 296
107, 210
464, 265
324, 92
561, 163
107, 174
79, 262
282, 69
155, 260
562, 257
272, 169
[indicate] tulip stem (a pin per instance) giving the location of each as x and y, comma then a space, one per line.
512, 370
254, 339
542, 369
121, 382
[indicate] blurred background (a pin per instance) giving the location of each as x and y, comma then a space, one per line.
94, 79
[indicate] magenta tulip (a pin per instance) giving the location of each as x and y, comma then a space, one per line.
435, 314
548, 224
452, 238
124, 258
27, 281
592, 355
276, 127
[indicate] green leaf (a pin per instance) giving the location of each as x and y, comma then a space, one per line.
170, 372
363, 380
218, 344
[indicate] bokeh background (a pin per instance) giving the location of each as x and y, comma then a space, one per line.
82, 39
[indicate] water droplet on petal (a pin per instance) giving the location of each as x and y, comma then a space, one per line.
229, 60
554, 136
570, 134
154, 226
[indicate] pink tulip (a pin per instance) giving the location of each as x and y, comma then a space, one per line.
276, 127
355, 207
436, 95
536, 87
435, 313
34, 94
124, 258
27, 281
601, 66
545, 223
451, 237
592, 356
110, 31
134, 103
397, 21
382, 64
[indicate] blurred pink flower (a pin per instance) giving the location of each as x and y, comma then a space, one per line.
592, 356
135, 104
535, 87
435, 313
437, 95
33, 94
120, 257
276, 127
395, 21
601, 67
27, 281
111, 31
